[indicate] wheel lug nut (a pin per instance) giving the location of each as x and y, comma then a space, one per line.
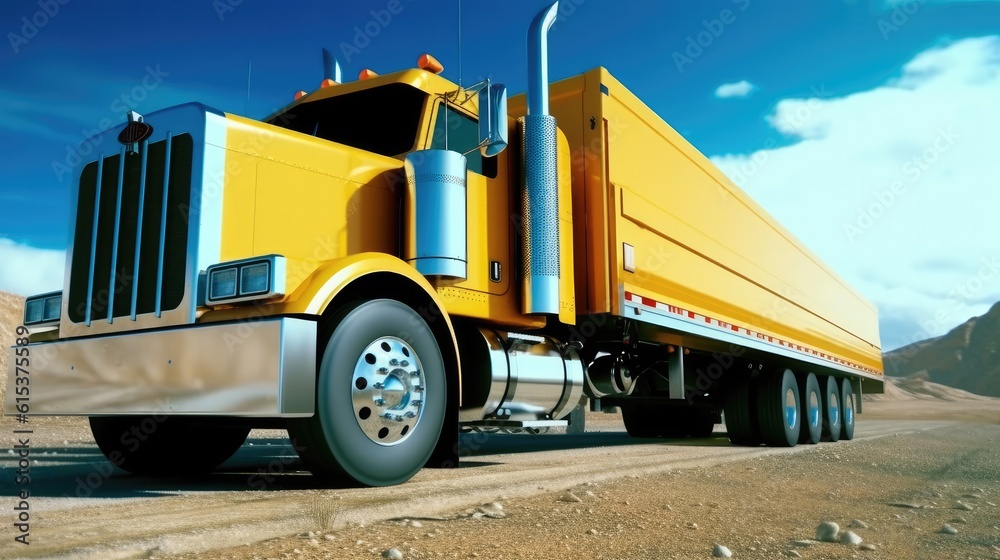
415, 373
410, 414
399, 418
404, 363
379, 401
394, 362
378, 385
417, 402
387, 416
419, 389
383, 370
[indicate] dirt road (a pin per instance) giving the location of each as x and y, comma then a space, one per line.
80, 508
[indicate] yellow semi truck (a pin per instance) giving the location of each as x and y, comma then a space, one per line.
372, 269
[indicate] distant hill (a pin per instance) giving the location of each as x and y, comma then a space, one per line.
11, 313
966, 358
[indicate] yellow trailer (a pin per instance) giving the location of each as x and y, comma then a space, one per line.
373, 269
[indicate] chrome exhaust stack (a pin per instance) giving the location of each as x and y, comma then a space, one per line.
539, 178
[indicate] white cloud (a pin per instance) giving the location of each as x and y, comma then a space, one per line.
27, 270
741, 88
896, 187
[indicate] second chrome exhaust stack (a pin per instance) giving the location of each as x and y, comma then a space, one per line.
539, 178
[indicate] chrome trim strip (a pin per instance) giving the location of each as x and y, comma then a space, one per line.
163, 227
114, 246
93, 239
252, 368
138, 228
653, 316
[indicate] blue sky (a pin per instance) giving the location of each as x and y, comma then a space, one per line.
815, 108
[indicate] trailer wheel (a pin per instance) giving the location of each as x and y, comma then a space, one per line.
650, 420
640, 421
812, 409
165, 445
741, 420
847, 407
831, 409
380, 397
779, 409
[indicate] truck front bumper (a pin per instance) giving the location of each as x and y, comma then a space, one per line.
264, 368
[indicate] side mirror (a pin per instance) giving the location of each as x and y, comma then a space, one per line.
492, 119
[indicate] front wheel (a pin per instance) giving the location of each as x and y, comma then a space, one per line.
380, 398
166, 445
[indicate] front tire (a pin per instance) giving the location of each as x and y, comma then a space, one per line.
166, 445
380, 399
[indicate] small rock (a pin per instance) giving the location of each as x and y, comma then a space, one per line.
392, 554
827, 531
907, 505
793, 554
804, 542
858, 524
963, 506
590, 494
296, 551
948, 530
867, 546
492, 510
719, 551
592, 532
691, 525
416, 524
850, 538
973, 496
958, 519
570, 497
329, 537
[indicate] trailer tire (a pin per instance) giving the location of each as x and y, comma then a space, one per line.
640, 421
741, 420
374, 425
812, 409
779, 408
166, 445
650, 420
831, 409
847, 409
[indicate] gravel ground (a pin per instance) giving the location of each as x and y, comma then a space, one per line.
899, 492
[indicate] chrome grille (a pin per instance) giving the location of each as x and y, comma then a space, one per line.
130, 240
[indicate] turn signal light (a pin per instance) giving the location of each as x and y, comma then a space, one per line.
299, 95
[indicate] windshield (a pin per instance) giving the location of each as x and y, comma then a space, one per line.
383, 120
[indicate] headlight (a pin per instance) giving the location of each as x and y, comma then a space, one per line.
43, 309
256, 278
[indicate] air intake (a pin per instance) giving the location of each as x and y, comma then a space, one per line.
436, 213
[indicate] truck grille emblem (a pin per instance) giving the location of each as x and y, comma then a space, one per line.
134, 132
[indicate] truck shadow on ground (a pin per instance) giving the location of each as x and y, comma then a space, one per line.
270, 464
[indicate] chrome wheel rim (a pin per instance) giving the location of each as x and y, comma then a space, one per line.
834, 409
814, 409
849, 410
791, 408
387, 390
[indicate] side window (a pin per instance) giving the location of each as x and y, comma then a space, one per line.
463, 136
